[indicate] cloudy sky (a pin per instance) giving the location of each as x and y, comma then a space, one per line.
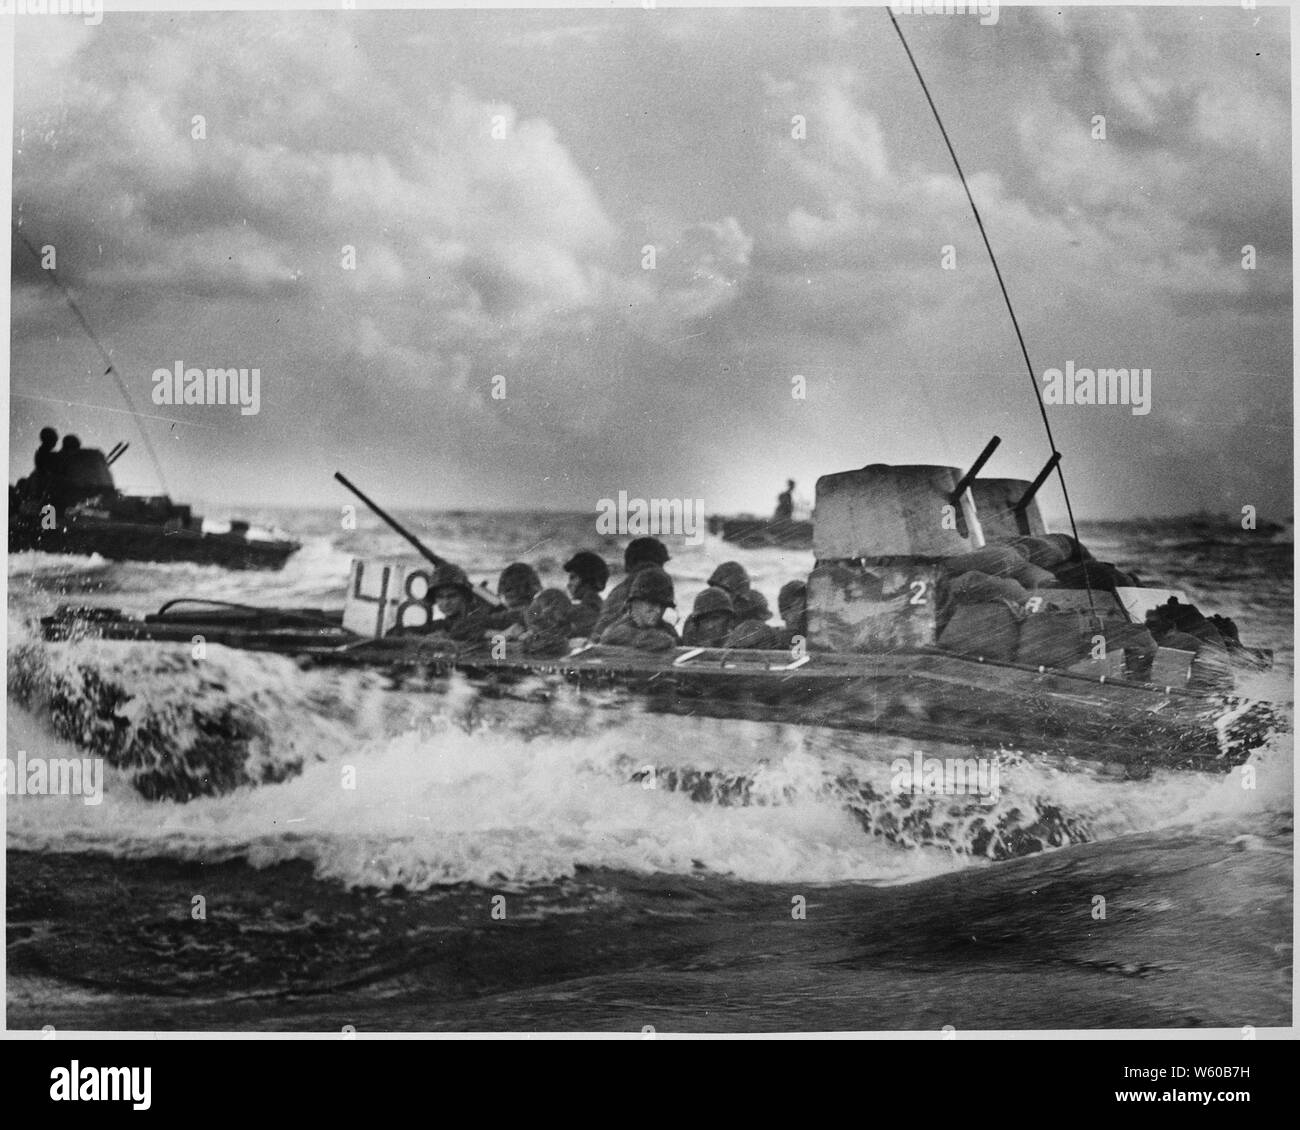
522, 254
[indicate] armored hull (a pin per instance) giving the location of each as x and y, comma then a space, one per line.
123, 528
922, 694
138, 541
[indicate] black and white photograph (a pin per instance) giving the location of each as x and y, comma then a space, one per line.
650, 520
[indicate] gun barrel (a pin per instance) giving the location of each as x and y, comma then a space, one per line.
396, 526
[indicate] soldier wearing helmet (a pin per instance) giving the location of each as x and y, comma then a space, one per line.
37, 484
731, 576
750, 629
752, 633
792, 602
641, 554
641, 624
548, 624
517, 586
463, 618
588, 576
46, 457
711, 620
752, 605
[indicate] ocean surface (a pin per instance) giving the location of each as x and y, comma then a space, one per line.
504, 866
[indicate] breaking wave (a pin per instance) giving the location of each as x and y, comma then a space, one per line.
247, 756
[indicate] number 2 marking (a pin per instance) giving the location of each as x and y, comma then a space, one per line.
918, 592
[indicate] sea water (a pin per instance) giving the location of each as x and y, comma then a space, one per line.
417, 861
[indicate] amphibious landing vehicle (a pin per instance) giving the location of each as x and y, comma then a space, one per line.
895, 644
87, 514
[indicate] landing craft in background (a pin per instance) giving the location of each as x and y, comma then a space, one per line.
70, 503
782, 530
79, 510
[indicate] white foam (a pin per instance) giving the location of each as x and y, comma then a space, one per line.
36, 563
445, 804
448, 806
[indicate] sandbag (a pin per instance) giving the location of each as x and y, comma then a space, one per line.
980, 588
1038, 551
1100, 575
1073, 550
995, 560
1034, 577
987, 631
998, 561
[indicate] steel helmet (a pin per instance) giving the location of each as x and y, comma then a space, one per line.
519, 580
49, 435
790, 592
751, 605
730, 575
654, 585
712, 599
551, 608
642, 551
589, 567
449, 576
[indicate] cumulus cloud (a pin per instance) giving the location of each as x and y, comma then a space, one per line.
698, 274
389, 210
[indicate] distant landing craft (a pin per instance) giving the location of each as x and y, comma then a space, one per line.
782, 529
79, 510
95, 517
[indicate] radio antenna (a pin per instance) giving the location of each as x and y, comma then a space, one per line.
111, 369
